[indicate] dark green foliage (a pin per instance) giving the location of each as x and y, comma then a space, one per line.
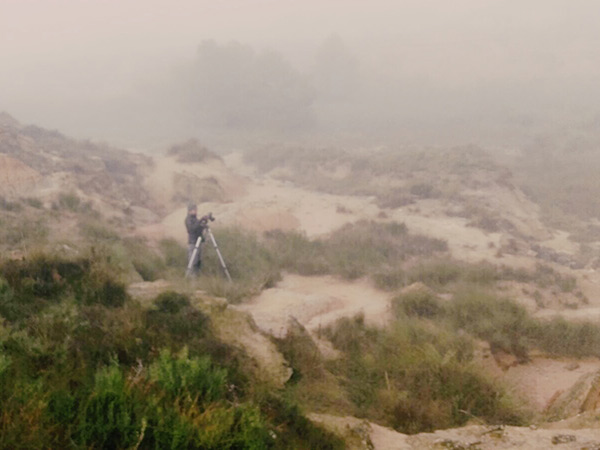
146, 262
175, 320
420, 303
62, 407
171, 302
108, 418
294, 430
97, 377
180, 376
35, 282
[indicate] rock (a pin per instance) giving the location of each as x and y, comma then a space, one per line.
572, 366
505, 360
563, 439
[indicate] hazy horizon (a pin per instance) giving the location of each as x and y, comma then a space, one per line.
416, 69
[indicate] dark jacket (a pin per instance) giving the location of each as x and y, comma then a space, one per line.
195, 228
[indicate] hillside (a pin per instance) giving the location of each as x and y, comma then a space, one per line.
399, 298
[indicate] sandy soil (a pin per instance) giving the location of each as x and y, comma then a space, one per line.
543, 379
362, 434
16, 178
316, 302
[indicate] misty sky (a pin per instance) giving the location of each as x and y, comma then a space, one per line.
60, 56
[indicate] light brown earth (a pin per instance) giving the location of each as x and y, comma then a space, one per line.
316, 302
16, 178
363, 435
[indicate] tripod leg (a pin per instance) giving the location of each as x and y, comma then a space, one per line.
191, 262
223, 265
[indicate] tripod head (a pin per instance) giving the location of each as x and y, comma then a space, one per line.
205, 219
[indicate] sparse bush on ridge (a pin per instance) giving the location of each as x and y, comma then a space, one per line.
191, 151
419, 303
506, 325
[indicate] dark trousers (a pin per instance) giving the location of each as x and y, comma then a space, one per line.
195, 269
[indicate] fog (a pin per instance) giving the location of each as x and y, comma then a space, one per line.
149, 72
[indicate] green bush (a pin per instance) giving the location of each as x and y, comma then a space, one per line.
421, 303
435, 274
562, 338
415, 377
180, 376
171, 302
147, 263
251, 265
110, 418
503, 323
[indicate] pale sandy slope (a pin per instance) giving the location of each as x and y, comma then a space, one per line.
317, 302
362, 434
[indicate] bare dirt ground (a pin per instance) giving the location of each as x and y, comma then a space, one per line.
316, 302
362, 434
16, 177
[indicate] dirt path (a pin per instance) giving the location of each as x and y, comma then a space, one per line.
316, 302
543, 379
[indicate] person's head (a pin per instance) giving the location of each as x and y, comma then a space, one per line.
192, 210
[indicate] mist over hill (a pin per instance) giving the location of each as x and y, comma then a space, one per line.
423, 72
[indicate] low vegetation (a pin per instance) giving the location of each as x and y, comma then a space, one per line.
84, 365
410, 376
191, 151
502, 322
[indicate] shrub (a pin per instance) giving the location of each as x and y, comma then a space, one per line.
97, 232
251, 265
175, 254
503, 323
355, 250
191, 151
415, 377
420, 303
146, 262
563, 338
70, 201
34, 202
435, 274
7, 205
110, 417
175, 322
180, 376
171, 302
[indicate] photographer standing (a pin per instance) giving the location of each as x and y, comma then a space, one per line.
195, 228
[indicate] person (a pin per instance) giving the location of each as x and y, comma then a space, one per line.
195, 229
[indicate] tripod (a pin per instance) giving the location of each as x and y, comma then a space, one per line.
192, 260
